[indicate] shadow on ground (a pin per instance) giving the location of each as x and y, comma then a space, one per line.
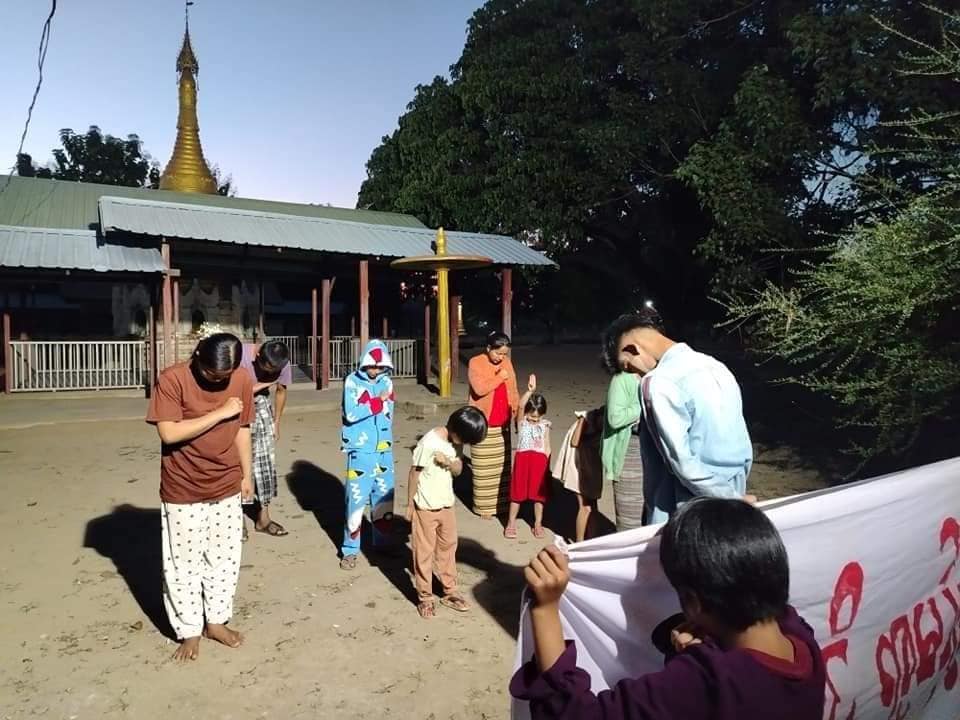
321, 492
131, 537
499, 592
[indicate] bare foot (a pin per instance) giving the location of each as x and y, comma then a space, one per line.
223, 635
189, 650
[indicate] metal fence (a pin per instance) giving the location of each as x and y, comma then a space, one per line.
77, 365
40, 365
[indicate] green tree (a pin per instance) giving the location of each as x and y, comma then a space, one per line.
703, 140
103, 159
872, 325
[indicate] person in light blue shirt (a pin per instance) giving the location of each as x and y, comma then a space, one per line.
693, 435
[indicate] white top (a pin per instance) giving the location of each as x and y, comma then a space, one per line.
435, 488
533, 436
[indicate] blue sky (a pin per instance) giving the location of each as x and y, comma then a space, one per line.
294, 94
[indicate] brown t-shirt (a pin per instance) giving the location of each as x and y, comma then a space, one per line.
206, 468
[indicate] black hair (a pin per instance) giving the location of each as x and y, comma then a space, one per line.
276, 354
497, 340
219, 353
729, 556
536, 403
469, 424
645, 317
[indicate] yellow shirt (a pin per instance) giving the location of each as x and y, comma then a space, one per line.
435, 488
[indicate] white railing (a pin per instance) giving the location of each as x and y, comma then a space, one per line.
77, 365
38, 365
345, 356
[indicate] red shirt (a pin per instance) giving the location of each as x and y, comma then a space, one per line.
500, 412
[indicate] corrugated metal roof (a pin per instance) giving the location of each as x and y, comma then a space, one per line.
36, 202
58, 249
175, 220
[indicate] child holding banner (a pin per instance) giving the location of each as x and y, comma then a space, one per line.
743, 652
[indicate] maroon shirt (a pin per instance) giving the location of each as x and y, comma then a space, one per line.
703, 682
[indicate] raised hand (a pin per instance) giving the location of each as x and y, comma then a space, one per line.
532, 383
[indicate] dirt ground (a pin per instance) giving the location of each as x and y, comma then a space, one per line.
83, 624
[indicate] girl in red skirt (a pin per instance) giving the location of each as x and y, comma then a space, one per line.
531, 476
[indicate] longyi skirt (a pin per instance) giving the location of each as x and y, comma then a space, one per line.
491, 472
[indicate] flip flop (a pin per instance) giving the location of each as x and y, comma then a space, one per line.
273, 528
510, 533
455, 602
538, 531
349, 562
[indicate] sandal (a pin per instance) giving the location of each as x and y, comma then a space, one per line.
273, 528
510, 532
538, 531
455, 602
349, 562
426, 609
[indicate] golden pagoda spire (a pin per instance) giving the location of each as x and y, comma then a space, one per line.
187, 171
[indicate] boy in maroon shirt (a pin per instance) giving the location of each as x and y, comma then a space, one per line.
742, 653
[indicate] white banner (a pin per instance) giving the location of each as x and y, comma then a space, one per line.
873, 568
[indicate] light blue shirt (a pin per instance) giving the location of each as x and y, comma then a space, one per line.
704, 447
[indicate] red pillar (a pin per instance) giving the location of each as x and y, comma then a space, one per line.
364, 303
152, 355
327, 289
175, 292
426, 342
261, 322
167, 307
454, 336
7, 355
506, 280
313, 337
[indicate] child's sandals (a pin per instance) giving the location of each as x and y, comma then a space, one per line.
510, 532
455, 602
537, 531
426, 609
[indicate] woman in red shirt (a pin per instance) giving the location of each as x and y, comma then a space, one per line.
493, 389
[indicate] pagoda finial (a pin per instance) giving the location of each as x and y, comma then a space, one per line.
187, 170
186, 60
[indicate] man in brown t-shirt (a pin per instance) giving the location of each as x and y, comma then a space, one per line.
203, 418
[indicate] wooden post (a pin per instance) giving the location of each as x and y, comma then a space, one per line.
152, 355
166, 306
175, 292
313, 338
386, 329
454, 336
353, 327
261, 322
425, 373
506, 289
7, 355
364, 303
327, 289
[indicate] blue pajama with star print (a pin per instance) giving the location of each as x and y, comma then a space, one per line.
367, 442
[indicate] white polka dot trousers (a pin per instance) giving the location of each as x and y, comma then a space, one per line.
201, 562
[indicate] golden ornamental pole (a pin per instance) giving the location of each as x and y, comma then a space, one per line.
443, 318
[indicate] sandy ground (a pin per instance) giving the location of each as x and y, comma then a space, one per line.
83, 625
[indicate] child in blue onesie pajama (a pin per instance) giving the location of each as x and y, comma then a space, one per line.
367, 437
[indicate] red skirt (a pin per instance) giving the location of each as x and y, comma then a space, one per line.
530, 478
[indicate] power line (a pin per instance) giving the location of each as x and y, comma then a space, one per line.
41, 58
